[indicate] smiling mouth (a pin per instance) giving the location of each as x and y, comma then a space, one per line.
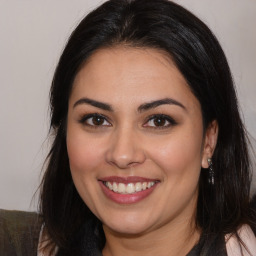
130, 188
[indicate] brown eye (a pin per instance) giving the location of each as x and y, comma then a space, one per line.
94, 120
159, 121
97, 120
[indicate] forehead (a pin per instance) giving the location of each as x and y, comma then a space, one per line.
123, 74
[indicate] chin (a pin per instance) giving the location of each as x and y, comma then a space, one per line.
127, 230
127, 226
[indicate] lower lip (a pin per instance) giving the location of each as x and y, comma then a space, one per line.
126, 198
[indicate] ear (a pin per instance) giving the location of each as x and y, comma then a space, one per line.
210, 141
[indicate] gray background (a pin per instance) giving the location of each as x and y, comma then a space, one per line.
32, 36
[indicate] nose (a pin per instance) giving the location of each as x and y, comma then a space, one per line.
125, 149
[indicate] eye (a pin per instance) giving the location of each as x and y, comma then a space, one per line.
95, 120
160, 121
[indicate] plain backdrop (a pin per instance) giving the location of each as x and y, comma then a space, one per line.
32, 36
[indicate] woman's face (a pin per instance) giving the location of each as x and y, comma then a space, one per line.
135, 140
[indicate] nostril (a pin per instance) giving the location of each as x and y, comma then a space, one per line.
124, 162
125, 149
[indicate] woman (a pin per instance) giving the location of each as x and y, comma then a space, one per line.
149, 154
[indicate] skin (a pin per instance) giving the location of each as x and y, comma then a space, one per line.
128, 143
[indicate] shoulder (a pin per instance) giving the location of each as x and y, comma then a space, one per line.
19, 232
236, 248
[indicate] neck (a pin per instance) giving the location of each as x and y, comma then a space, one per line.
173, 239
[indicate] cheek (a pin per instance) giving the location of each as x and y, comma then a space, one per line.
84, 159
180, 160
179, 155
83, 155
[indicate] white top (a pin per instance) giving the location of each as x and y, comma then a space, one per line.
249, 240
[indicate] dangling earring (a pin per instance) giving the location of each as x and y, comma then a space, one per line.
211, 172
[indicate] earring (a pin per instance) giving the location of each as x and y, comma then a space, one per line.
211, 172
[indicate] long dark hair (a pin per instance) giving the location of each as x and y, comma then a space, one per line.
166, 26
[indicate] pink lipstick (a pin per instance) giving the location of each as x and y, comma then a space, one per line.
127, 190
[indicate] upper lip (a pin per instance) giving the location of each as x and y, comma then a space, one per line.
126, 180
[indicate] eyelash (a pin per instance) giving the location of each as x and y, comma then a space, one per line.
85, 119
165, 118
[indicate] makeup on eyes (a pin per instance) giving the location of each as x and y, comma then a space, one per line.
154, 121
94, 119
160, 121
156, 107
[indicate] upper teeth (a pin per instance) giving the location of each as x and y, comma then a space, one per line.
130, 187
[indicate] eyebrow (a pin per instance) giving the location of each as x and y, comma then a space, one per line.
94, 103
156, 103
141, 108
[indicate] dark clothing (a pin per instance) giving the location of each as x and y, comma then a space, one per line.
19, 236
90, 241
19, 233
